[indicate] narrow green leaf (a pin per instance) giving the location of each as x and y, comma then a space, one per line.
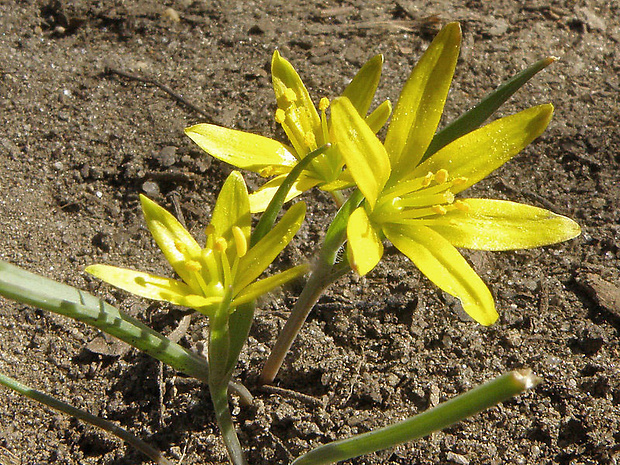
448, 413
155, 455
33, 289
474, 118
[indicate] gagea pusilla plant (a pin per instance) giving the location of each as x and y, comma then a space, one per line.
408, 189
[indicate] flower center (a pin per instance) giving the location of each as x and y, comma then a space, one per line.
211, 272
421, 197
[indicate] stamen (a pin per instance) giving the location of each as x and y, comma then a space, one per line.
241, 242
426, 180
280, 116
180, 246
441, 176
310, 141
193, 266
425, 200
323, 104
208, 258
289, 95
439, 209
268, 171
220, 244
459, 181
462, 206
210, 232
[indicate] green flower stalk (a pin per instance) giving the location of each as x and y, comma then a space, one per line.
306, 129
412, 202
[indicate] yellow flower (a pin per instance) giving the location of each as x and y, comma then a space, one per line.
221, 273
305, 128
412, 202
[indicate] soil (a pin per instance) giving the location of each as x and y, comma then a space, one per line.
78, 144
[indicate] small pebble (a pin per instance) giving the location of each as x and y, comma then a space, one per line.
151, 188
457, 458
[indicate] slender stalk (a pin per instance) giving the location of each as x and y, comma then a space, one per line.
152, 453
440, 417
220, 371
311, 292
321, 277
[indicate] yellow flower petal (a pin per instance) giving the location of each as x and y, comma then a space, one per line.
259, 257
421, 102
363, 153
361, 90
377, 119
364, 246
232, 208
242, 149
475, 155
501, 225
301, 123
445, 266
151, 286
259, 200
176, 243
262, 287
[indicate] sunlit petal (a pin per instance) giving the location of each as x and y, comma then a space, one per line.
173, 239
232, 208
364, 154
301, 121
421, 102
475, 155
150, 286
445, 266
361, 90
501, 225
242, 149
259, 257
364, 246
259, 200
262, 287
377, 119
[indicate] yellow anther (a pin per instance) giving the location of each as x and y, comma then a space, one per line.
180, 246
193, 265
310, 140
426, 181
459, 181
439, 209
268, 171
441, 176
220, 244
280, 116
241, 243
323, 104
449, 196
462, 206
289, 95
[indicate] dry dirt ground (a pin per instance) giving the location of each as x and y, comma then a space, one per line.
78, 145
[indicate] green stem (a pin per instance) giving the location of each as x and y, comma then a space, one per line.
155, 455
320, 278
440, 417
220, 371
